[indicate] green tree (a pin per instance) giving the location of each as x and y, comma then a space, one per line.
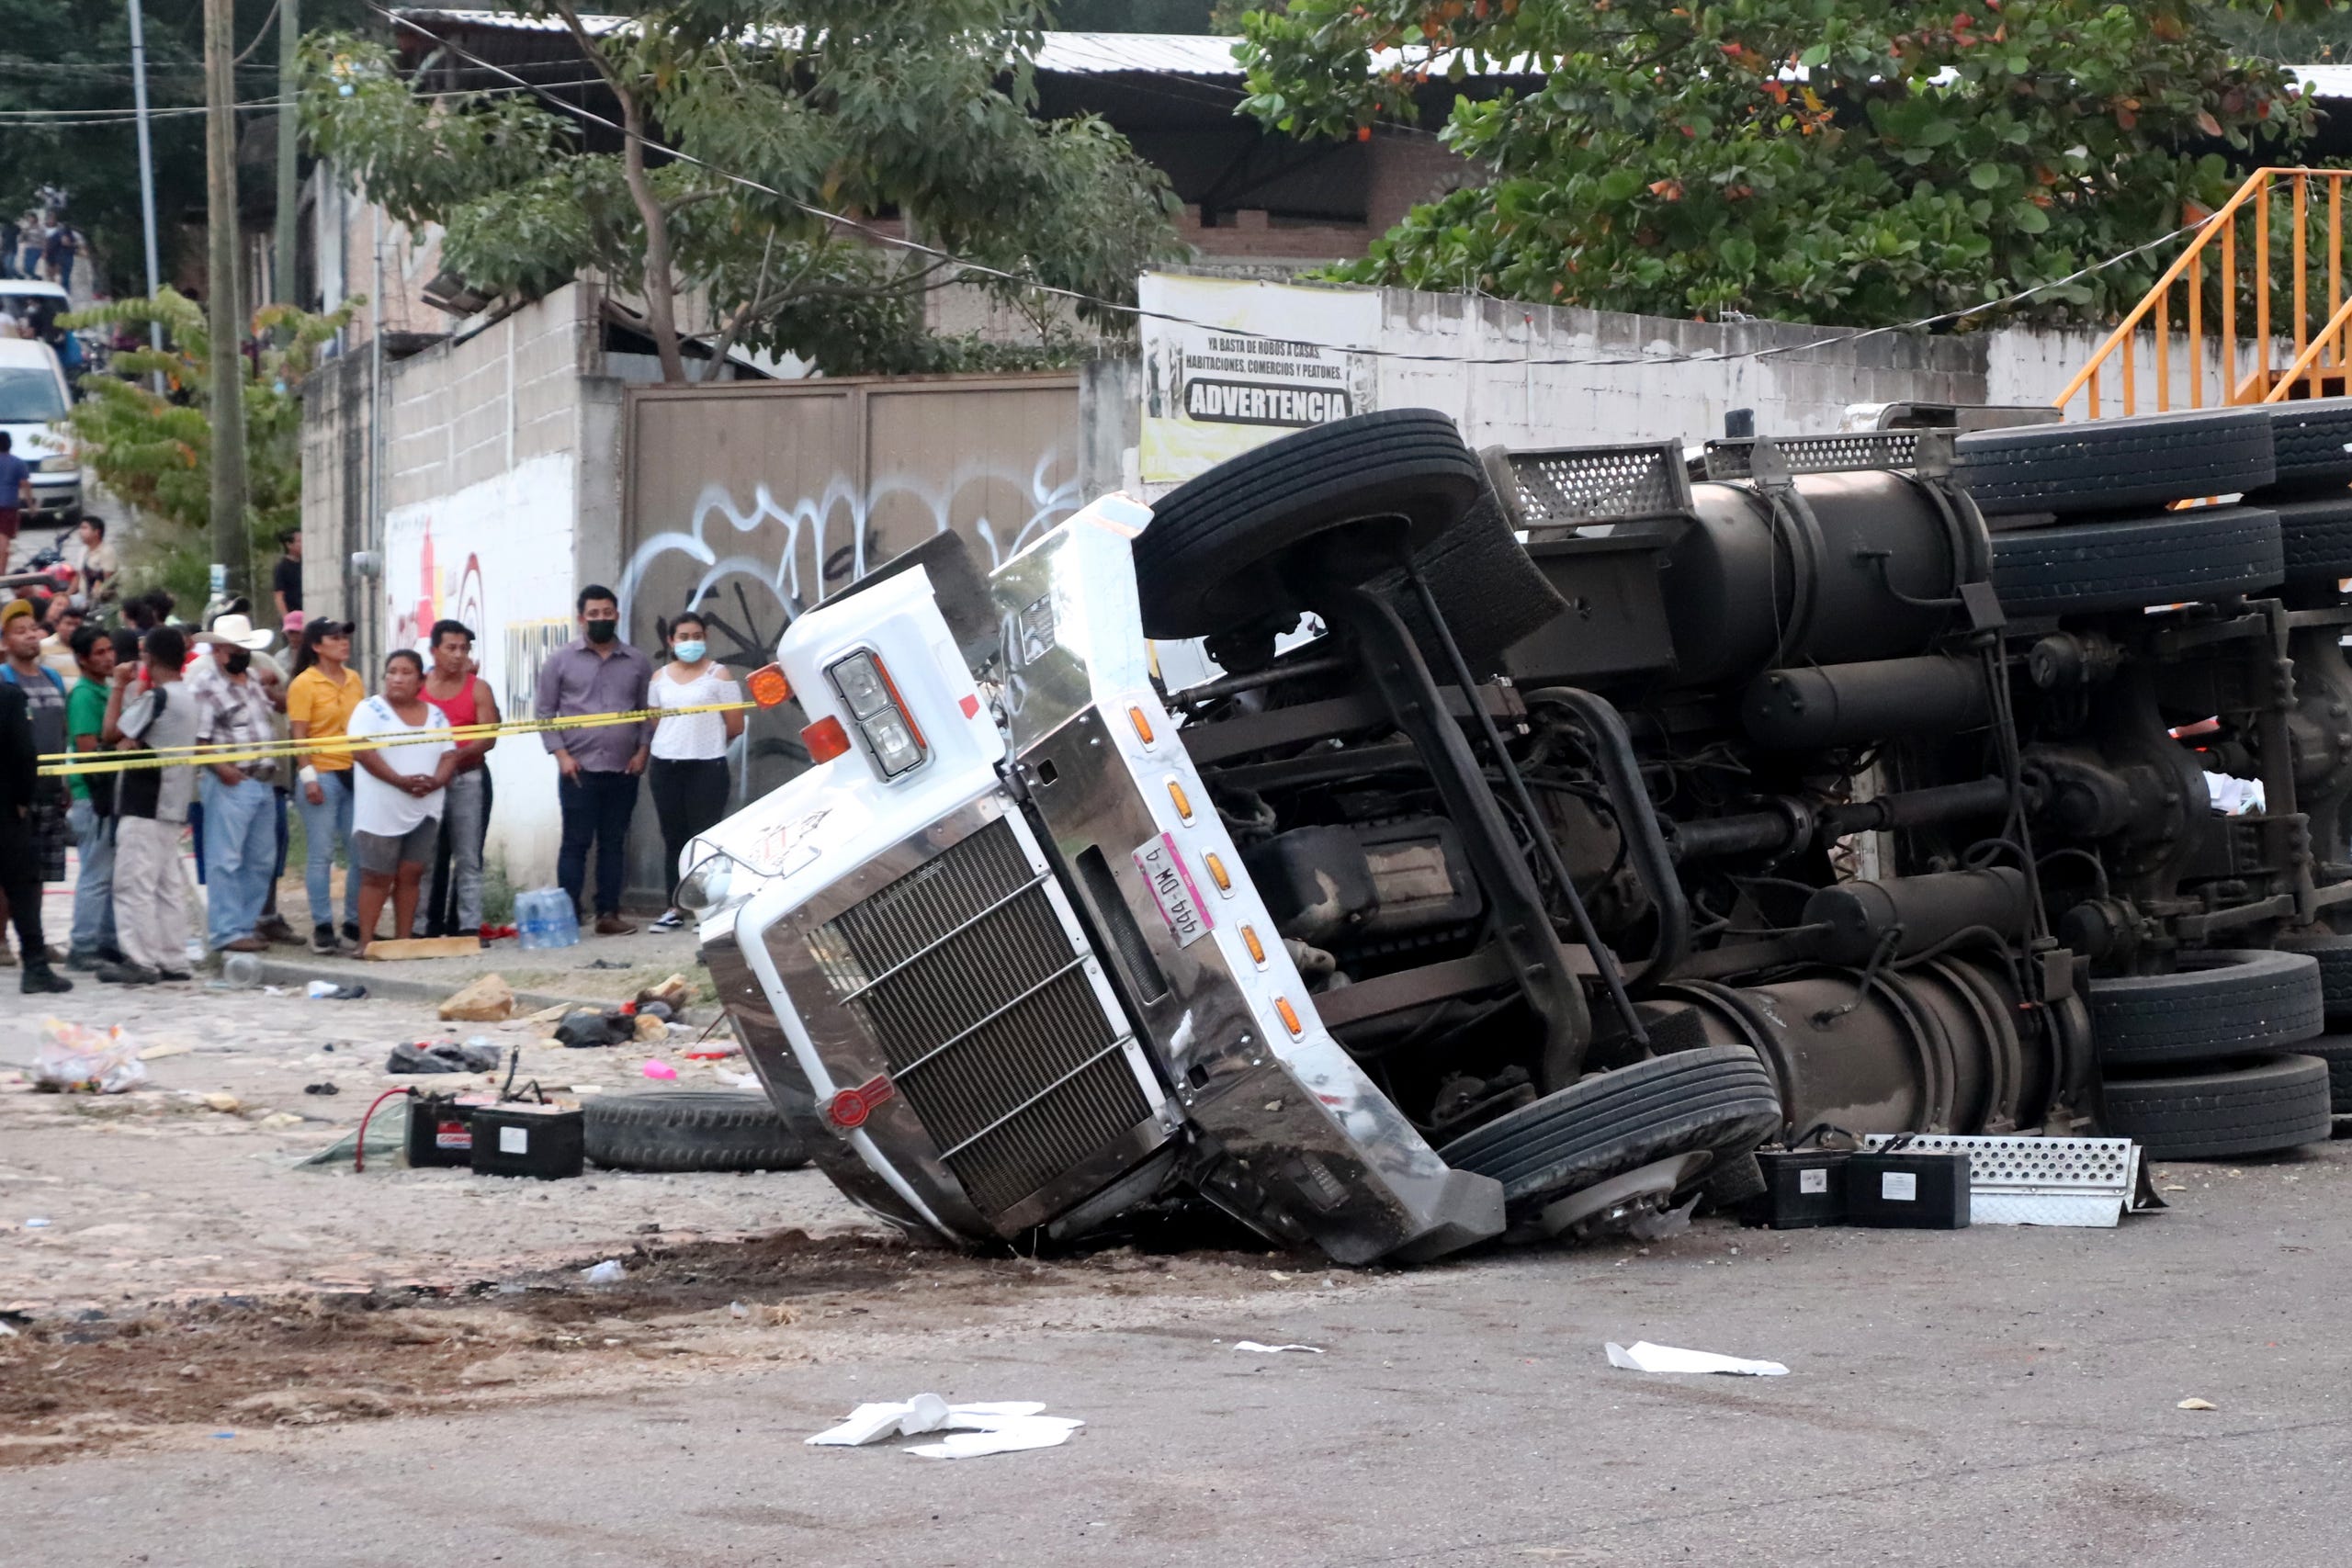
1806, 160
66, 90
916, 114
155, 451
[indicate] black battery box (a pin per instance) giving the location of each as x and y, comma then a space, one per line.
1898, 1190
1802, 1188
440, 1128
522, 1139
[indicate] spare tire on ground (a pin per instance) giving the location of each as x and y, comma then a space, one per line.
2172, 558
2115, 464
1719, 1099
683, 1129
1205, 563
2230, 1002
2245, 1108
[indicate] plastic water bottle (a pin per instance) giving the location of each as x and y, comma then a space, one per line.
241, 970
544, 918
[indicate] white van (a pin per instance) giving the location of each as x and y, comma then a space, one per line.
33, 395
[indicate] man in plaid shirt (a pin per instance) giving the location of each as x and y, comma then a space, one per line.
233, 709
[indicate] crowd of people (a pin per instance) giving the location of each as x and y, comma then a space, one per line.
389, 813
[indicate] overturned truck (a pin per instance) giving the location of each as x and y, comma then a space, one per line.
1560, 826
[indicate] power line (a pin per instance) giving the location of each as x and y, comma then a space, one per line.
1140, 314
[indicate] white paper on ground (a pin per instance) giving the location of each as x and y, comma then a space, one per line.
1014, 1434
1272, 1349
1646, 1357
986, 1426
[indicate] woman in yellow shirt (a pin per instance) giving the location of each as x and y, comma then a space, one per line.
318, 704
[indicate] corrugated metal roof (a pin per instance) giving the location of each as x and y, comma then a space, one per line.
1062, 53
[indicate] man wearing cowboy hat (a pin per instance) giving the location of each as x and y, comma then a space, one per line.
233, 709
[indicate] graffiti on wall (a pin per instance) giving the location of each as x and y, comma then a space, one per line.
751, 570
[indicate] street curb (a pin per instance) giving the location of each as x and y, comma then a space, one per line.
401, 989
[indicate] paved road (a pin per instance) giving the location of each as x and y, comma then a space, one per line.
1992, 1397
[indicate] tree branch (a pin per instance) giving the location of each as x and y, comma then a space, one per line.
660, 286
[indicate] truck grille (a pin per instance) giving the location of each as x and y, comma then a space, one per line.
986, 1016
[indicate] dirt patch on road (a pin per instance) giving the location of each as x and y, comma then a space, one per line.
75, 1385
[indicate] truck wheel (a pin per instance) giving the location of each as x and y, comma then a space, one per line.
2216, 1005
685, 1129
2334, 955
2247, 1107
1720, 1098
2130, 563
2310, 444
2115, 464
2335, 1050
2315, 536
1204, 564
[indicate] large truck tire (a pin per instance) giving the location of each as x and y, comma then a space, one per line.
2205, 552
2311, 446
2315, 537
2247, 1107
1720, 1099
685, 1129
2115, 464
1204, 565
2233, 1002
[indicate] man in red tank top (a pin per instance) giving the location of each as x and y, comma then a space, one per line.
454, 684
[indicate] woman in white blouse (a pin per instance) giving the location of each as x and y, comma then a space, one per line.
688, 774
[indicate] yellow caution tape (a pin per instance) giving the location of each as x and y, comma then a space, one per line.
63, 765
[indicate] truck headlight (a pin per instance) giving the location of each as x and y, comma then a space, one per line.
64, 463
710, 886
873, 701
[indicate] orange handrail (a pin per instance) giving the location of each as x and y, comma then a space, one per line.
2211, 256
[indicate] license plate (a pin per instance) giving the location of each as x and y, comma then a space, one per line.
1170, 882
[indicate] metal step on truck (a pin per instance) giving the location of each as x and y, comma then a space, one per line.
1561, 826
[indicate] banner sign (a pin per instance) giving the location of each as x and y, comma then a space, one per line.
1264, 359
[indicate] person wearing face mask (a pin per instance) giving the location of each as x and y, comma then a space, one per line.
687, 776
239, 798
597, 766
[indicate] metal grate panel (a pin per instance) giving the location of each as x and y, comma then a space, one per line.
990, 1024
1564, 486
2036, 1181
1818, 454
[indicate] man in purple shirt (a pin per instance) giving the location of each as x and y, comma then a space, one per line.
596, 672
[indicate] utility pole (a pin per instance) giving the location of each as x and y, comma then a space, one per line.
225, 313
290, 34
146, 177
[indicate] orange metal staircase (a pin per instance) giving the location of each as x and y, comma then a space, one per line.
2239, 316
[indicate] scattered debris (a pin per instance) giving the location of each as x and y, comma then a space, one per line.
321, 1088
608, 1272
38, 1223
1275, 1350
657, 1068
392, 949
585, 1027
163, 1048
227, 1104
76, 1059
2197, 1404
328, 991
1007, 1427
448, 1057
1646, 1357
674, 994
649, 1030
606, 964
278, 1120
489, 1000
